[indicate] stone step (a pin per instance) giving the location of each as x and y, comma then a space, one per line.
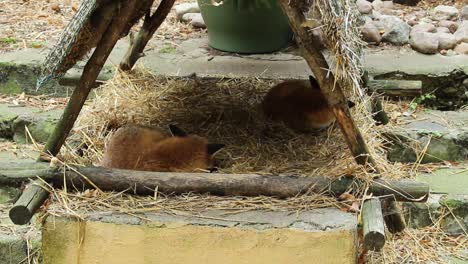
14, 119
444, 133
18, 244
317, 236
448, 199
439, 74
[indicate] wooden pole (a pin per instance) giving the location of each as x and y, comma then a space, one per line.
33, 197
331, 90
116, 25
378, 112
393, 217
373, 225
145, 182
150, 25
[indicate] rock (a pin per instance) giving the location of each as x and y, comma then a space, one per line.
376, 14
446, 41
366, 19
412, 22
451, 53
364, 7
424, 42
443, 52
197, 21
370, 33
182, 9
426, 20
464, 13
377, 4
423, 27
396, 30
387, 4
188, 17
389, 12
462, 32
379, 25
407, 2
462, 48
451, 25
442, 30
444, 11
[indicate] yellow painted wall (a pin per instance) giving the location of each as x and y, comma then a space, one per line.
71, 242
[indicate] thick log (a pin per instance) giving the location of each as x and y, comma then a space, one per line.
150, 25
373, 225
392, 215
144, 182
116, 25
34, 195
396, 88
331, 90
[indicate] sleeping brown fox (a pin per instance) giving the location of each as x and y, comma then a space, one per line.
300, 105
138, 148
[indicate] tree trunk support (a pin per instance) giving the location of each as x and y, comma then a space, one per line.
331, 90
145, 182
32, 197
373, 225
150, 25
393, 216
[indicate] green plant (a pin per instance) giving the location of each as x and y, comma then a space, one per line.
421, 99
37, 45
8, 40
424, 132
168, 49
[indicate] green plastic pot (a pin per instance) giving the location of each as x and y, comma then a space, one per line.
246, 26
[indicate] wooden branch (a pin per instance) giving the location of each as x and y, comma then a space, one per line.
150, 25
373, 225
31, 200
392, 215
396, 88
378, 112
90, 73
331, 90
34, 195
215, 183
402, 190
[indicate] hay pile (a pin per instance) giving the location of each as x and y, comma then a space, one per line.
426, 245
226, 112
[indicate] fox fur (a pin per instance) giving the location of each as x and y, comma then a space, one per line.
299, 104
146, 149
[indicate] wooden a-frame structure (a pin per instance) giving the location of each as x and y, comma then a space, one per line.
117, 23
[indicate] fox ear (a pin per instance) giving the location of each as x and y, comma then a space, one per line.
313, 82
212, 148
177, 131
351, 104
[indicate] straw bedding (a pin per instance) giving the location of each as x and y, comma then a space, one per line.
225, 112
